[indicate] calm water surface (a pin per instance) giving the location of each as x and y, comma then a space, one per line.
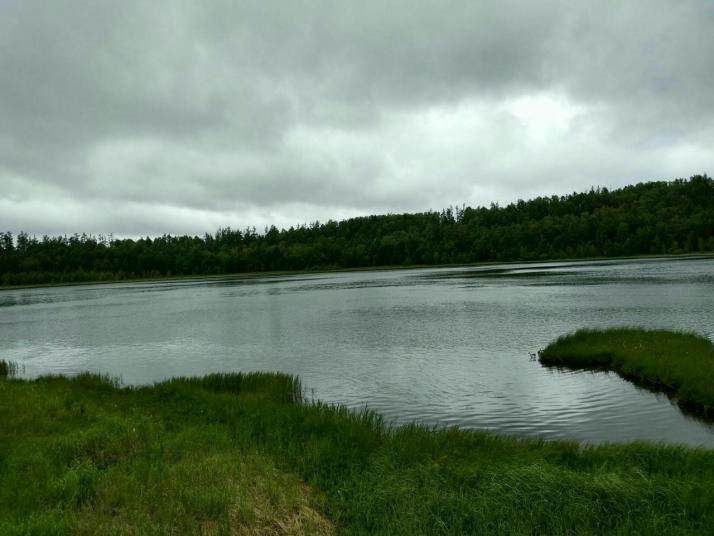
438, 346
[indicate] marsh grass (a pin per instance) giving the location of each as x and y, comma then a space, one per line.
680, 364
8, 369
242, 454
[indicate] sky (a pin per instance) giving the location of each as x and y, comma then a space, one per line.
142, 118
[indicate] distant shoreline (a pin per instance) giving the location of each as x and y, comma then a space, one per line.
276, 273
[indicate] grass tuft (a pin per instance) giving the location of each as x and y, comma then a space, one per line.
8, 369
278, 387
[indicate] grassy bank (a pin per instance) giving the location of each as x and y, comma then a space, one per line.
680, 364
243, 454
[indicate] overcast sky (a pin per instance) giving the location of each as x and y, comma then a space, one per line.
140, 117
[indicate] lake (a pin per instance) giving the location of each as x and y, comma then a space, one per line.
445, 346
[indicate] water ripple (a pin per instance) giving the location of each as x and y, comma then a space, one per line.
437, 346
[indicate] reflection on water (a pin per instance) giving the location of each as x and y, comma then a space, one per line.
437, 346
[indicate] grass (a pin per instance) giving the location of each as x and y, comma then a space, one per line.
83, 456
244, 454
680, 364
7, 368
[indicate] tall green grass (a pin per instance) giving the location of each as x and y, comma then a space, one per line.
681, 364
8, 368
243, 454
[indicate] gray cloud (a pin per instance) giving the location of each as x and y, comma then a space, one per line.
141, 117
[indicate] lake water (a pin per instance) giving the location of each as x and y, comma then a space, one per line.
439, 346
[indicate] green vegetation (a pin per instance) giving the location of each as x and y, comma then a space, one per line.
244, 454
7, 368
648, 218
681, 364
82, 456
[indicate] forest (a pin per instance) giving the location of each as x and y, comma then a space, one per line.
663, 217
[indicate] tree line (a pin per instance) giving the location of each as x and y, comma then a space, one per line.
664, 217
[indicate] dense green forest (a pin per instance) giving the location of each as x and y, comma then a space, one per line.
647, 218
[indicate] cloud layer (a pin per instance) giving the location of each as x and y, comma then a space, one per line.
151, 117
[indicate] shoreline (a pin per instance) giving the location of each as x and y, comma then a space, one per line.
267, 274
244, 452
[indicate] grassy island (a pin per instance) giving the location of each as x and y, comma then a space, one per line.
244, 454
680, 364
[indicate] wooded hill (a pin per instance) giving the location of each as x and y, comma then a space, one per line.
648, 218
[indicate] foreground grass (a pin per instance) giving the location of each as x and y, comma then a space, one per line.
681, 364
242, 454
84, 457
7, 368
